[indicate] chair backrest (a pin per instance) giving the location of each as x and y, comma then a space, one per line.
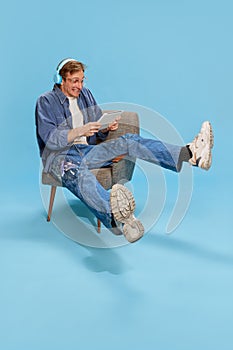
129, 123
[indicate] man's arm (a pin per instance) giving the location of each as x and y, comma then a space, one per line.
52, 126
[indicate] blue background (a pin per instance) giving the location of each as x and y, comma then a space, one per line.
163, 292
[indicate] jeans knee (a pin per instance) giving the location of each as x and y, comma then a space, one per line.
130, 136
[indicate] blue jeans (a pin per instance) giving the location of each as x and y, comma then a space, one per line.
80, 159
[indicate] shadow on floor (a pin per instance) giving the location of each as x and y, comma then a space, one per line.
37, 230
192, 249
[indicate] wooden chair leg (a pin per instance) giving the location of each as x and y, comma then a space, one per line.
51, 201
52, 196
98, 226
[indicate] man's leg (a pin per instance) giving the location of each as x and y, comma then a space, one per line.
197, 153
132, 145
119, 205
184, 156
82, 183
78, 179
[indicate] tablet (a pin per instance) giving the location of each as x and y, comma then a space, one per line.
108, 118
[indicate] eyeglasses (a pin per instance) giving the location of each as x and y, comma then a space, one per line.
75, 81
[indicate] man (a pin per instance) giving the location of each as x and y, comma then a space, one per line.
67, 132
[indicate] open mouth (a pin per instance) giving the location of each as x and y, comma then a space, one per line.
76, 91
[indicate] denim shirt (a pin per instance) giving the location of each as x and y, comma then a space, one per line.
54, 121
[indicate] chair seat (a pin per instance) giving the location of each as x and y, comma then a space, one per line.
48, 179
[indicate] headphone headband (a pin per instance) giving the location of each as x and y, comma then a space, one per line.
63, 62
57, 77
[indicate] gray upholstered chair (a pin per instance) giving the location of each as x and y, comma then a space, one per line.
120, 172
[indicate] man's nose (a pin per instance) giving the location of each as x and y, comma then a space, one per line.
79, 85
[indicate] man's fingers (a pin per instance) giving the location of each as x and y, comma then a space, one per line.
92, 127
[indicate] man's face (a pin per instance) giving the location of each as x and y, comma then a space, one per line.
72, 84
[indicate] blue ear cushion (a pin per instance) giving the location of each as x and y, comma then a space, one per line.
57, 78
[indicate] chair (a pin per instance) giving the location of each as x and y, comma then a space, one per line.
120, 172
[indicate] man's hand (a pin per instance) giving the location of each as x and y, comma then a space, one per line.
88, 129
113, 126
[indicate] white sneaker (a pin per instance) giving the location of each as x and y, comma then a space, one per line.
123, 206
201, 147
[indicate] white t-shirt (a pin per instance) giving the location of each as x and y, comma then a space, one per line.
77, 118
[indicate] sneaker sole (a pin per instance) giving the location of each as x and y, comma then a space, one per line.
123, 206
122, 203
206, 163
207, 125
